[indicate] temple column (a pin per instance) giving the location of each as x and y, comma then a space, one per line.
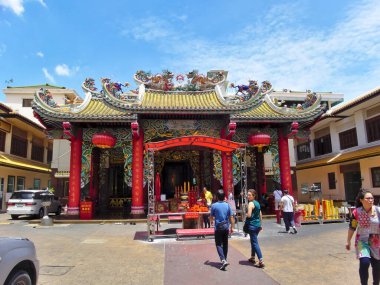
227, 164
228, 183
75, 173
285, 171
137, 171
224, 171
94, 175
260, 174
201, 182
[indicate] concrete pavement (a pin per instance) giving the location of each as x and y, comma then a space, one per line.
118, 253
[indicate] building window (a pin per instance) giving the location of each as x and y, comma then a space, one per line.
20, 182
317, 186
2, 140
11, 184
49, 156
19, 146
27, 102
37, 183
304, 188
66, 189
373, 129
348, 139
322, 145
2, 184
303, 151
375, 171
332, 180
37, 153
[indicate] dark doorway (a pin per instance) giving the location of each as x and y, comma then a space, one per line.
117, 186
174, 174
352, 185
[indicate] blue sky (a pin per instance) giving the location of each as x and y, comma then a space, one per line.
319, 45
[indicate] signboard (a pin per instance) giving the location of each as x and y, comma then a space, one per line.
181, 124
86, 210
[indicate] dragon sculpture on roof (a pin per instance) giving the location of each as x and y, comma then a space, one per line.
166, 81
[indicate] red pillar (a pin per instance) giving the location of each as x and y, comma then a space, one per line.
94, 175
285, 171
260, 173
201, 181
226, 167
75, 172
229, 175
138, 172
224, 171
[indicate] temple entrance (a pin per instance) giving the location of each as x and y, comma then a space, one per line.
117, 185
175, 174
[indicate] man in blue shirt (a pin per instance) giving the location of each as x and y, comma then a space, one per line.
222, 214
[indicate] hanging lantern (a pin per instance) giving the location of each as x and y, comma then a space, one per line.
294, 126
103, 140
259, 140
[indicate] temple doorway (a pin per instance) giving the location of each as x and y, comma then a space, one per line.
117, 185
175, 174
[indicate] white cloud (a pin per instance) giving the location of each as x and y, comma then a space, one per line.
182, 17
17, 6
148, 29
40, 54
42, 2
48, 76
342, 59
65, 70
3, 49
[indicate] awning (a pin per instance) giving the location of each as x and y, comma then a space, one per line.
18, 163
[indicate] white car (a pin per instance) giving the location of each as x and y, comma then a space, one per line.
18, 262
29, 202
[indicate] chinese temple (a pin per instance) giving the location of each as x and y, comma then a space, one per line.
174, 134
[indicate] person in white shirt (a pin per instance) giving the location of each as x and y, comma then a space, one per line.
277, 199
287, 206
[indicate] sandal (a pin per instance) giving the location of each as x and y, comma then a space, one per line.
252, 260
261, 264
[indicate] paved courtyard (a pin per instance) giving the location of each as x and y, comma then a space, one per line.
118, 253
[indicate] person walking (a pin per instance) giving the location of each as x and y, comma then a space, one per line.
208, 199
277, 200
365, 220
223, 221
254, 220
287, 207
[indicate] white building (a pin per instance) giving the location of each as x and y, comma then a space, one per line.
343, 153
25, 151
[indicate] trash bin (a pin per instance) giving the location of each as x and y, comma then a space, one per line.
298, 218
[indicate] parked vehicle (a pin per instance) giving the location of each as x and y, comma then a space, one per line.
18, 262
29, 202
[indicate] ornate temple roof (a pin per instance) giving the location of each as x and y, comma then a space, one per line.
269, 112
161, 94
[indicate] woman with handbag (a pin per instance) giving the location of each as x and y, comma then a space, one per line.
253, 221
365, 220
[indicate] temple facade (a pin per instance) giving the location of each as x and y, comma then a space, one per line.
174, 133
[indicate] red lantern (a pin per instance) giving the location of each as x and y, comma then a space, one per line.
104, 140
259, 140
294, 125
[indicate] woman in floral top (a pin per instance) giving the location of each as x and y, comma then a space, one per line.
365, 220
